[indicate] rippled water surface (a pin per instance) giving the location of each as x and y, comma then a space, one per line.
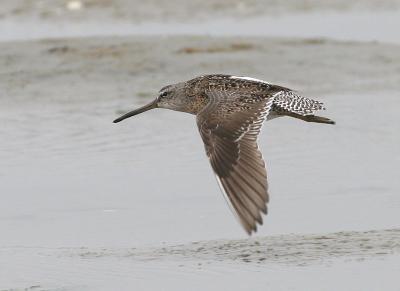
351, 26
66, 166
92, 205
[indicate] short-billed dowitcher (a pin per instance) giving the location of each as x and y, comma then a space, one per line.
230, 112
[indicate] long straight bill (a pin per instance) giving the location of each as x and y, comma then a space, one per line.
147, 107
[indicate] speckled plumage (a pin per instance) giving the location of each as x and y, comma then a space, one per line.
230, 112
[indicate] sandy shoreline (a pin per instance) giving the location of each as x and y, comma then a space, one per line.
268, 256
292, 249
140, 65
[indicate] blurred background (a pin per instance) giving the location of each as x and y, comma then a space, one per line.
79, 194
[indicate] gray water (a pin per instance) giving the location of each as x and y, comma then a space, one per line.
92, 205
351, 26
66, 166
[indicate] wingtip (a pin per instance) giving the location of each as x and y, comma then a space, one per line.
251, 229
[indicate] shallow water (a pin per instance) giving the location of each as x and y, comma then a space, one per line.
352, 26
68, 170
92, 205
90, 175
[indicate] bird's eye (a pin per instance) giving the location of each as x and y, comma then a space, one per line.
163, 94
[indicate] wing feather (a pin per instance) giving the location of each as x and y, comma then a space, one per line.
229, 127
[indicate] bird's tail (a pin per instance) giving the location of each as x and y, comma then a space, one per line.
311, 118
289, 103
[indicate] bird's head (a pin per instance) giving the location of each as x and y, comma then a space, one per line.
169, 97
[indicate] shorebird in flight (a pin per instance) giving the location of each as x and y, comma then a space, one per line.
230, 112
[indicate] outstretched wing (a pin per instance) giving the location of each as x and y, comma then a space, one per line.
229, 126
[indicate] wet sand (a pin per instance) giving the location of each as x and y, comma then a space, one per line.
316, 260
296, 250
